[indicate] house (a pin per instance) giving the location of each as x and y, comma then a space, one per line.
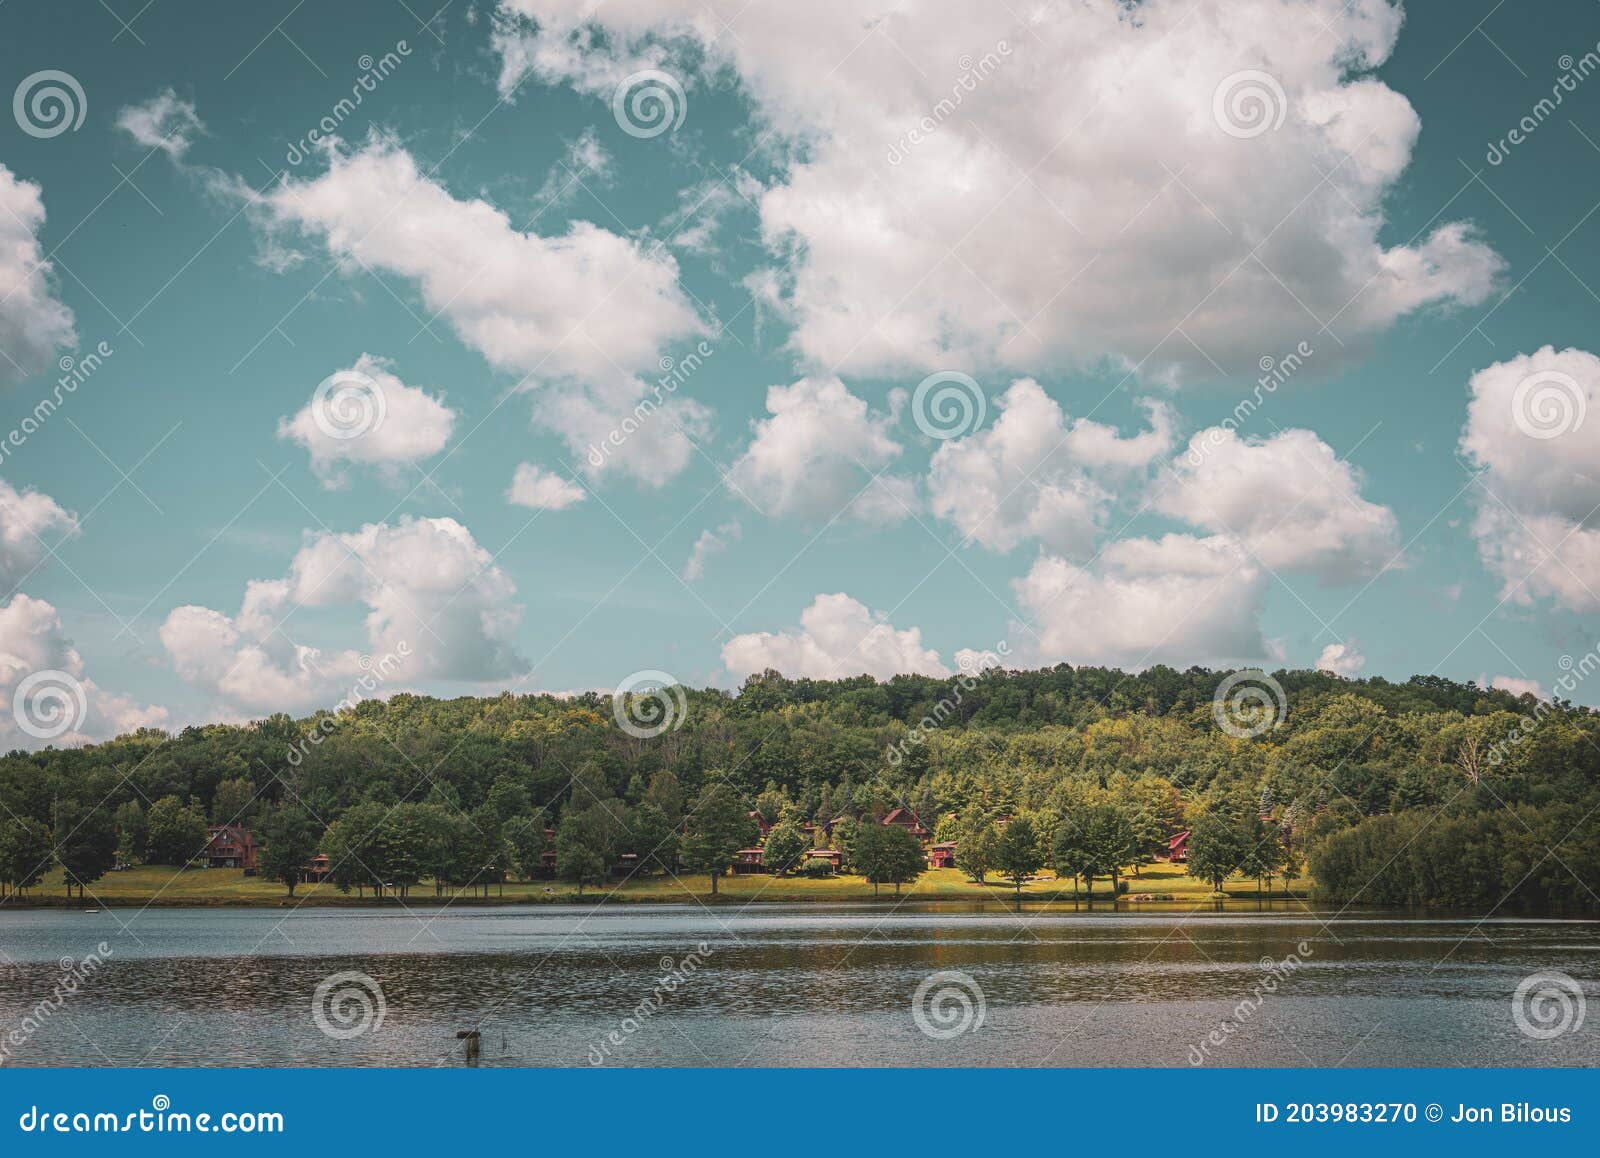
747, 861
763, 825
942, 855
1178, 848
230, 846
824, 856
906, 819
316, 870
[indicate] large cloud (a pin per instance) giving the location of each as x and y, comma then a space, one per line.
1289, 498
972, 185
837, 637
26, 518
816, 452
34, 324
1533, 430
365, 414
587, 314
433, 597
1033, 474
47, 697
1178, 600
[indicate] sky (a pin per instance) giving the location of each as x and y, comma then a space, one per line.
542, 345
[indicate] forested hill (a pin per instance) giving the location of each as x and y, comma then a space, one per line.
1353, 767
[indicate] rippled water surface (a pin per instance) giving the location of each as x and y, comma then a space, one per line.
787, 985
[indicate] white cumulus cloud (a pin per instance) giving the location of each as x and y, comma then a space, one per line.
30, 521
34, 323
1342, 659
543, 490
837, 637
166, 121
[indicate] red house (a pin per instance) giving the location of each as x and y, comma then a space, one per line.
230, 846
763, 826
906, 819
1178, 848
828, 856
942, 855
747, 861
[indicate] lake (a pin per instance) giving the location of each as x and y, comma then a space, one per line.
776, 985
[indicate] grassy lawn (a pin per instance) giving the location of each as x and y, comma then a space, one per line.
168, 886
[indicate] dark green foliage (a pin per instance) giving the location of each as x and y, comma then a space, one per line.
887, 854
288, 839
85, 843
718, 826
1017, 855
784, 849
177, 832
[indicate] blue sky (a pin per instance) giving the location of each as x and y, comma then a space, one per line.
851, 202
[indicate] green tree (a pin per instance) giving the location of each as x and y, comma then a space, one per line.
785, 848
975, 849
718, 826
234, 802
652, 838
1216, 849
288, 838
25, 853
888, 854
177, 832
525, 836
1017, 855
86, 843
583, 847
132, 832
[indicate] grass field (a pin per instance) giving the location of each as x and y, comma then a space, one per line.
166, 886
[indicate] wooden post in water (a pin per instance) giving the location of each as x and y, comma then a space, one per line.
474, 1041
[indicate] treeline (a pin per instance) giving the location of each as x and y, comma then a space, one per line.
463, 791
